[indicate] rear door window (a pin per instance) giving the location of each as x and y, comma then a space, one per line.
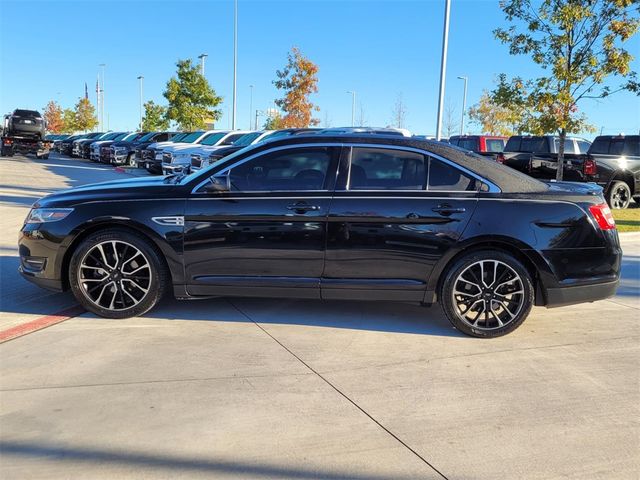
387, 169
445, 177
583, 146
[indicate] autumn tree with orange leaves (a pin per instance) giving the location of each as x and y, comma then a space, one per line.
298, 80
53, 117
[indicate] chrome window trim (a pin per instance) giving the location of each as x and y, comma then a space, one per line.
493, 188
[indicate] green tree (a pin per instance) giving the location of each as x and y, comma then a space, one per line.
495, 119
298, 79
191, 99
155, 118
578, 44
273, 122
85, 115
69, 121
53, 117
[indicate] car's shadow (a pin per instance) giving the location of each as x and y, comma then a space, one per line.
355, 315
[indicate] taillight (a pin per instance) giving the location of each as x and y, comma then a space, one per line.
500, 158
604, 217
589, 166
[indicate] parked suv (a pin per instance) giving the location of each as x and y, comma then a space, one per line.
24, 124
125, 152
486, 145
77, 148
152, 154
94, 147
352, 216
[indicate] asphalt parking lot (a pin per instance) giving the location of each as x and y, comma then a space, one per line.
282, 389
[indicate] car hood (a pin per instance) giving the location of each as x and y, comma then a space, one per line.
175, 147
159, 144
126, 189
126, 143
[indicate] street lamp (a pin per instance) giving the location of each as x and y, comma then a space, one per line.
464, 104
141, 78
235, 61
353, 107
251, 106
202, 56
443, 66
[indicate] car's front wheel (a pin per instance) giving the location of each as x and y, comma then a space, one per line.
117, 274
487, 293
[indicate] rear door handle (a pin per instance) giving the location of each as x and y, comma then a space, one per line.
447, 210
302, 207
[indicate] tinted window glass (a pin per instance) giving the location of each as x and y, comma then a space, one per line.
583, 146
212, 138
385, 169
290, 170
444, 177
468, 144
191, 137
568, 145
632, 146
494, 145
513, 144
534, 144
616, 147
232, 138
245, 140
600, 145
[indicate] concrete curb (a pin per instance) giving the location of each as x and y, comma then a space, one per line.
629, 235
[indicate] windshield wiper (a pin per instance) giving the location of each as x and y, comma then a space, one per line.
174, 178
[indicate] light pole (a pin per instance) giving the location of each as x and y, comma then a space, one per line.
141, 78
235, 61
202, 56
464, 104
251, 106
353, 107
102, 95
443, 66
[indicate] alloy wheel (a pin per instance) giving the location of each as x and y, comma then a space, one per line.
488, 294
620, 198
114, 275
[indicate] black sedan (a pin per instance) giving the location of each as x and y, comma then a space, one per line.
370, 217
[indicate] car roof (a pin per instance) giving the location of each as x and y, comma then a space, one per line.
506, 178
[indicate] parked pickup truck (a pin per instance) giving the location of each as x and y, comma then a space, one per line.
617, 171
485, 145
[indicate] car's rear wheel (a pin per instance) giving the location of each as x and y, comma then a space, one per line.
619, 195
117, 274
487, 293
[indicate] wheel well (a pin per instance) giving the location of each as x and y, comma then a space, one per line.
625, 177
66, 260
504, 247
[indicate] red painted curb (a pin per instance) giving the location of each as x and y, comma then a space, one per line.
40, 323
120, 170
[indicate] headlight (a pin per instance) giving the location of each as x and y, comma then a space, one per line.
44, 215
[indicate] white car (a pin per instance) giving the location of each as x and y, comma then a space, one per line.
177, 158
208, 155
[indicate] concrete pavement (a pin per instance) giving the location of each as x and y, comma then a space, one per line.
255, 388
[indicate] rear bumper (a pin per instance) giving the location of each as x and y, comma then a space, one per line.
559, 297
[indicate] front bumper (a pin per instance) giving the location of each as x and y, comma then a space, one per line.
171, 169
40, 256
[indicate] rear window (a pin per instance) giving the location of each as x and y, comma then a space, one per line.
632, 146
600, 145
26, 113
468, 144
495, 145
527, 145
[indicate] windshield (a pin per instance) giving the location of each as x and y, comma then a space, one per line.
129, 136
117, 137
212, 138
146, 137
179, 137
190, 138
247, 139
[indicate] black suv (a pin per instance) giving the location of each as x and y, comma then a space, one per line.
368, 217
25, 124
616, 161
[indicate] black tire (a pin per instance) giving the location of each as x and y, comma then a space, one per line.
509, 305
619, 195
7, 152
158, 273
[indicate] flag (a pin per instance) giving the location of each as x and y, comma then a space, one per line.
86, 91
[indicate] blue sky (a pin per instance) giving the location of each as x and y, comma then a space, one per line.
380, 49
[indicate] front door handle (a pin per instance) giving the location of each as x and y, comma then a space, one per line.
302, 207
447, 210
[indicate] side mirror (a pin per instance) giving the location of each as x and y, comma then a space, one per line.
217, 185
